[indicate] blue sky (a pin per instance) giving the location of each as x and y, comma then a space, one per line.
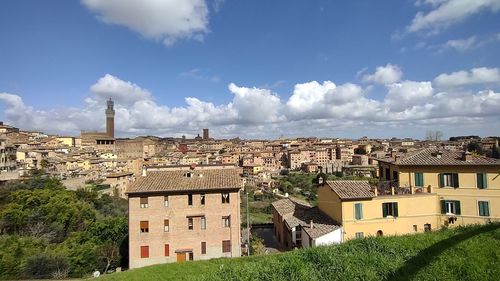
254, 69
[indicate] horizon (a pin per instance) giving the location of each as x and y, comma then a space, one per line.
254, 70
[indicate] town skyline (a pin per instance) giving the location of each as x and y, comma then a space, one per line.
340, 71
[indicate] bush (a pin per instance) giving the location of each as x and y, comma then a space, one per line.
44, 266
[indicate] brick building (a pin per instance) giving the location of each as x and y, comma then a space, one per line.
184, 215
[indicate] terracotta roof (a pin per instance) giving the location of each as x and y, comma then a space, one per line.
158, 181
351, 189
429, 157
289, 206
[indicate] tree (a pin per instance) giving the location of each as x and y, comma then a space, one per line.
495, 150
433, 135
109, 253
475, 147
257, 246
360, 150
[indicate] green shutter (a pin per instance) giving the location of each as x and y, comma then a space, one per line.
479, 179
485, 180
455, 180
441, 180
484, 211
384, 210
443, 207
395, 208
358, 209
419, 179
457, 208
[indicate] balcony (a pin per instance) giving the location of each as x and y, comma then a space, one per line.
387, 188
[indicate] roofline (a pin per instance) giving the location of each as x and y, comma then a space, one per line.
211, 190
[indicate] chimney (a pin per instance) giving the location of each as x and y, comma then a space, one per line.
466, 156
311, 224
397, 158
144, 171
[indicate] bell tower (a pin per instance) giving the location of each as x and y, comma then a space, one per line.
110, 118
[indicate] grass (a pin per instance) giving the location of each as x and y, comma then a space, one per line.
465, 253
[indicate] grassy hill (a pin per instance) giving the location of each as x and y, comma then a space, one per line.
468, 253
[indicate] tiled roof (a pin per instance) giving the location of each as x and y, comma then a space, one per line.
429, 157
214, 179
351, 189
297, 213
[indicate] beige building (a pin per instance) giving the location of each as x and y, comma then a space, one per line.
184, 215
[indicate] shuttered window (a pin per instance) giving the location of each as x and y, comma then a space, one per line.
144, 252
203, 223
484, 208
144, 226
144, 202
358, 211
190, 199
419, 179
165, 201
202, 199
226, 246
225, 198
482, 180
390, 209
450, 207
203, 248
166, 225
190, 223
167, 250
448, 180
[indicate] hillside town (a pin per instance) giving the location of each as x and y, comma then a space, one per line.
186, 195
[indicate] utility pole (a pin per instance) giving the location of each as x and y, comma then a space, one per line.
248, 228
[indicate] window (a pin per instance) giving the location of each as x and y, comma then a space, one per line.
190, 223
390, 209
448, 180
203, 223
482, 181
226, 221
359, 235
450, 207
225, 198
167, 250
358, 211
190, 199
191, 257
144, 226
203, 248
419, 179
387, 174
166, 224
484, 208
202, 199
165, 201
144, 202
427, 227
144, 252
226, 246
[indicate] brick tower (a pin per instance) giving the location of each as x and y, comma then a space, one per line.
110, 119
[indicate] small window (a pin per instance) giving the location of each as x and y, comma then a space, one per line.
358, 211
390, 209
448, 180
226, 221
190, 199
203, 223
419, 179
482, 181
484, 208
226, 246
359, 235
165, 201
144, 202
144, 252
190, 223
202, 199
415, 228
166, 225
191, 256
427, 227
203, 248
167, 250
225, 198
144, 226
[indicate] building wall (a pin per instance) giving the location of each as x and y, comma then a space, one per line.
179, 237
329, 203
334, 237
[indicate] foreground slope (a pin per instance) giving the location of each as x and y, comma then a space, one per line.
468, 253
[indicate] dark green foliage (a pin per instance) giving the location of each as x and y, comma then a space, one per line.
47, 231
475, 147
463, 253
360, 150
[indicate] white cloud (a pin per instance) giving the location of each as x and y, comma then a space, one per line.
480, 75
166, 20
313, 108
448, 12
384, 74
461, 45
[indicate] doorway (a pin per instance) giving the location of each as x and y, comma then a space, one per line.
181, 257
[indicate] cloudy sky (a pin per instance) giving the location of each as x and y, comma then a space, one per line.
254, 69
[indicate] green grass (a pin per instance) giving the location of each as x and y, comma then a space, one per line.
468, 253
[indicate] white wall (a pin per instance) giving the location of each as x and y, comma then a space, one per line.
334, 237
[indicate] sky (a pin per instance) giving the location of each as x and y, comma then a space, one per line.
252, 69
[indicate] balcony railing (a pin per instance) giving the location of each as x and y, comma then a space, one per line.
393, 188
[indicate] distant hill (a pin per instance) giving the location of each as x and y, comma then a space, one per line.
465, 253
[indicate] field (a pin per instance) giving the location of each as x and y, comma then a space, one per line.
465, 253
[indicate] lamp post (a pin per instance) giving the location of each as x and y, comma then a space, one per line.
248, 228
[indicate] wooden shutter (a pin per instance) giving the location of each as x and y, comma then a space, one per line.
144, 252
358, 210
203, 247
455, 180
395, 209
457, 208
384, 210
441, 180
167, 250
443, 207
144, 226
144, 200
485, 180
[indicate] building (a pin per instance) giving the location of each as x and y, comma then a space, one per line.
184, 215
110, 118
102, 141
7, 156
206, 135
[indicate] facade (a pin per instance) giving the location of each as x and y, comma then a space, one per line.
184, 215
